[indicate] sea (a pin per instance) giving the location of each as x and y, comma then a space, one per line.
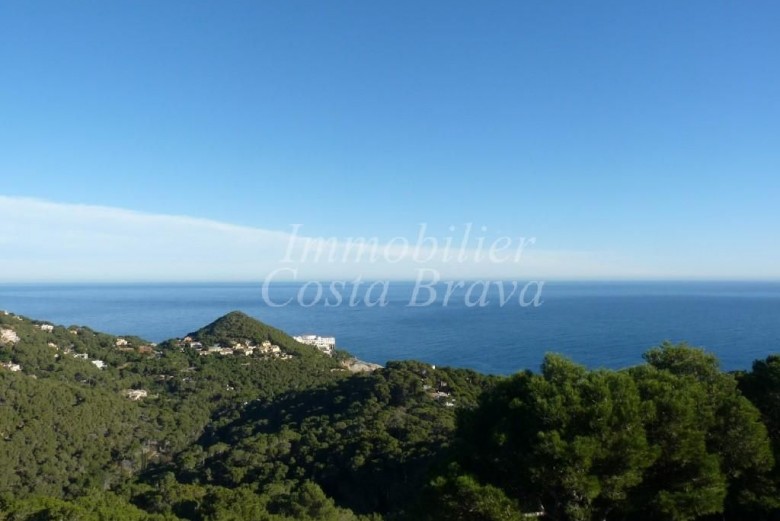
477, 326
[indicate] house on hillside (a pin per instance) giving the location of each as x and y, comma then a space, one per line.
135, 394
8, 336
326, 344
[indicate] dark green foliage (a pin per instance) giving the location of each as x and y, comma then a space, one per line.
569, 442
457, 496
366, 440
59, 438
762, 387
234, 438
669, 440
708, 433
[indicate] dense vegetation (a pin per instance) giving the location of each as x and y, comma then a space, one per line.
162, 432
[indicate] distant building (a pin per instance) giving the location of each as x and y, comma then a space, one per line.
135, 394
100, 364
14, 368
8, 335
121, 342
46, 327
326, 344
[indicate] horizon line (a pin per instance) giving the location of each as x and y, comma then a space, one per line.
605, 280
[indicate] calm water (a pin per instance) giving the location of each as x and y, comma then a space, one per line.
597, 324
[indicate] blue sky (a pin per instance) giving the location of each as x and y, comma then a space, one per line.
643, 136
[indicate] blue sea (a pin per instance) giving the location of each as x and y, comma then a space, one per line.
598, 324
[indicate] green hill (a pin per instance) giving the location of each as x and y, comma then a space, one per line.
240, 327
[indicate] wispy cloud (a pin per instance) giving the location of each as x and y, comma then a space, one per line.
49, 241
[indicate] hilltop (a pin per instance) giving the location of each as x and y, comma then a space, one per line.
237, 327
237, 332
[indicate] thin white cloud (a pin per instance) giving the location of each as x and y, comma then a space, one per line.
49, 241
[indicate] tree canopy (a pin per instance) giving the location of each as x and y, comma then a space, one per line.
167, 432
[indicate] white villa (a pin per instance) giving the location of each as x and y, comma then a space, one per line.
326, 344
135, 394
8, 335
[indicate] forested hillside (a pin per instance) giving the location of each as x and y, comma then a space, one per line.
238, 421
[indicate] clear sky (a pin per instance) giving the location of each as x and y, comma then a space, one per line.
631, 139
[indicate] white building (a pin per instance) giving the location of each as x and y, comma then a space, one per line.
46, 327
135, 394
100, 364
326, 344
14, 368
8, 335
